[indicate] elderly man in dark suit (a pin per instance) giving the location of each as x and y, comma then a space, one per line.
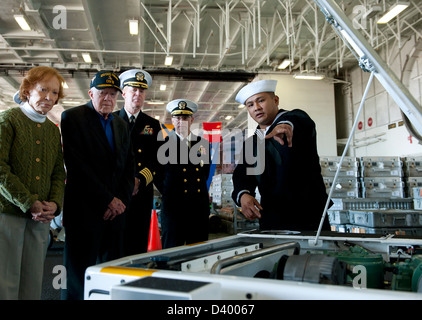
100, 168
144, 132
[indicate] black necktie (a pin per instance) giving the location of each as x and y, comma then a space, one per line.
131, 121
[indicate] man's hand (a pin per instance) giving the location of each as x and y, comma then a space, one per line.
136, 186
250, 207
279, 132
115, 208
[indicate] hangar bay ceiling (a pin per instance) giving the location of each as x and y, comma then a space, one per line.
216, 46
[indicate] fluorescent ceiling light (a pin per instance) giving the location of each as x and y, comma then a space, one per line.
70, 102
284, 64
65, 86
157, 117
163, 87
393, 12
168, 61
87, 57
241, 106
133, 27
311, 76
155, 102
228, 117
20, 19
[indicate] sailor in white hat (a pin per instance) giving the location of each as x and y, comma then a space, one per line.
254, 88
262, 104
287, 163
182, 111
144, 129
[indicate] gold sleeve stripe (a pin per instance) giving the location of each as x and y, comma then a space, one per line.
146, 178
147, 174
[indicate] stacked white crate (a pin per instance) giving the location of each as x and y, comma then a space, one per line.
413, 174
222, 188
382, 177
381, 205
417, 198
347, 185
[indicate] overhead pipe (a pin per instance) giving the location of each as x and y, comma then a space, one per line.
169, 25
158, 27
110, 51
227, 25
155, 36
193, 34
258, 2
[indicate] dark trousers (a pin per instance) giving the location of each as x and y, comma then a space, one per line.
183, 228
89, 243
138, 219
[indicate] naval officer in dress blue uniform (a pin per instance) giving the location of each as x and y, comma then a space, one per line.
143, 131
289, 179
186, 162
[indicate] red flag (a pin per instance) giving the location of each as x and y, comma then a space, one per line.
212, 131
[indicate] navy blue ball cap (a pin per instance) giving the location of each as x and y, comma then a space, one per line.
105, 79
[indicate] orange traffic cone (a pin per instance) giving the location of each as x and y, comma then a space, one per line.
154, 240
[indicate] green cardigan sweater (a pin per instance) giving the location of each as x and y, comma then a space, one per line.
31, 163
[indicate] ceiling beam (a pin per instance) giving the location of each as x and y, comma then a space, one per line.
94, 30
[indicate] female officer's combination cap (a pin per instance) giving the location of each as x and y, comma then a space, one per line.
182, 107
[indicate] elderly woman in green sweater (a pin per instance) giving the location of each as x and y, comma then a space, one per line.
32, 179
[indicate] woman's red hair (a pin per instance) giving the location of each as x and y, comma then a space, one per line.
37, 74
